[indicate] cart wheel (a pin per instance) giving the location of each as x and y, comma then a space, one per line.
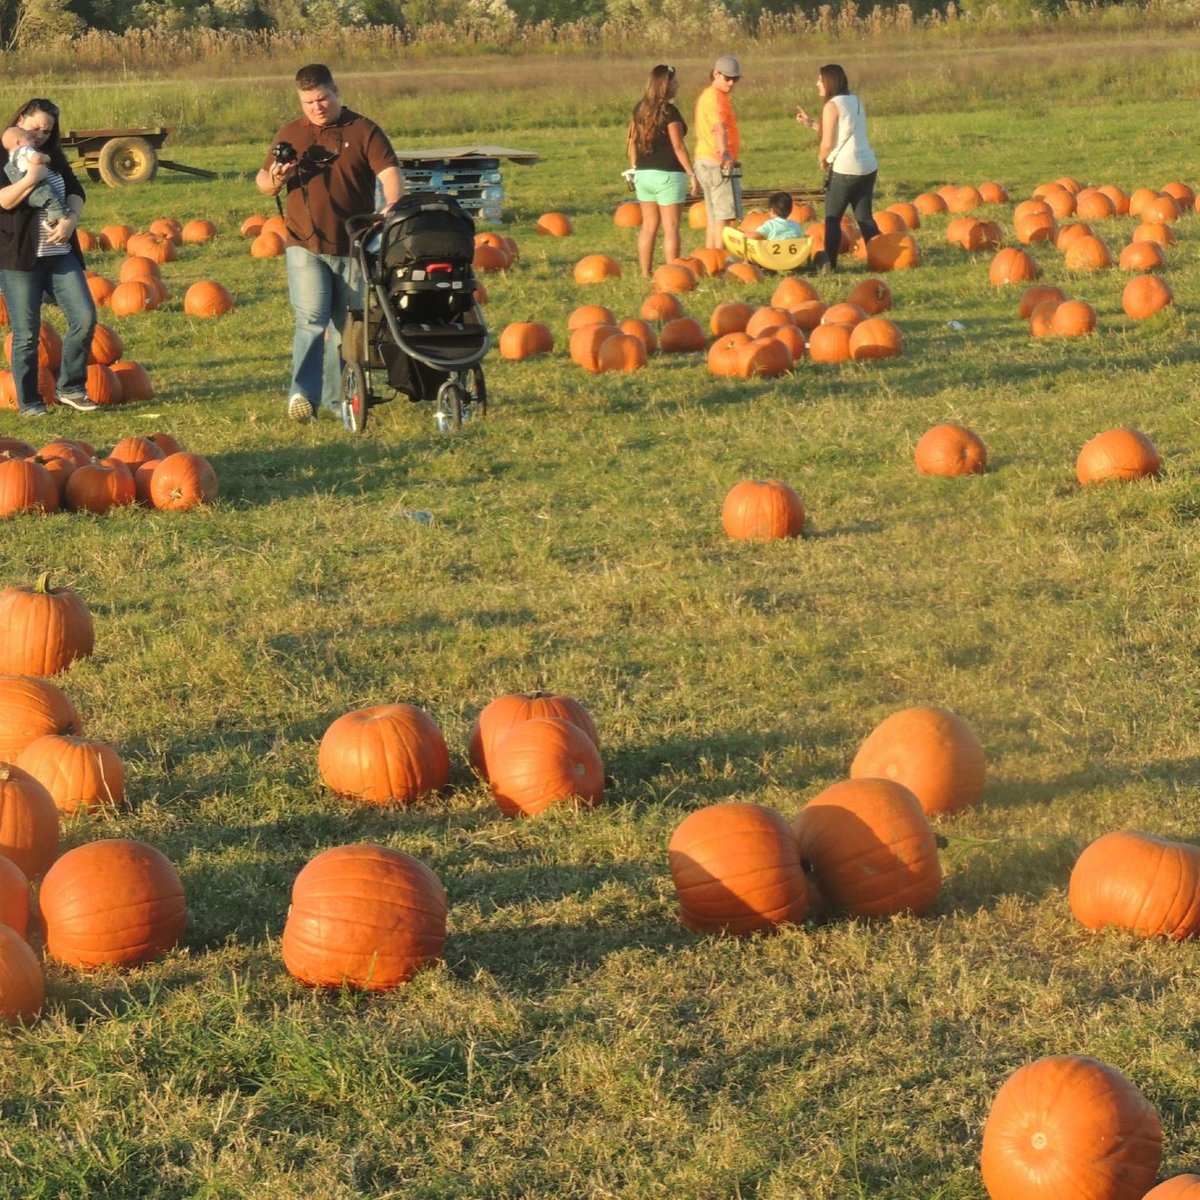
448, 412
475, 387
126, 161
355, 398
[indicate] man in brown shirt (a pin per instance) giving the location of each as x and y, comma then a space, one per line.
327, 161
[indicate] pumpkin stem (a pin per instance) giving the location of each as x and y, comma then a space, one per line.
5, 772
42, 587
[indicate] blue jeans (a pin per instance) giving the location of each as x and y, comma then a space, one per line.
321, 287
60, 277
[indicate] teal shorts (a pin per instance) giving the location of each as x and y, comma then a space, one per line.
660, 187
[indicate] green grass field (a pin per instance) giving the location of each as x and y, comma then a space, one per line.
577, 1042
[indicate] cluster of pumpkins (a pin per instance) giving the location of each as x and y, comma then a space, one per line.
153, 471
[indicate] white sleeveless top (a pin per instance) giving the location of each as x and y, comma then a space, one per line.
852, 151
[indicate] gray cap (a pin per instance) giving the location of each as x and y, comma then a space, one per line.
728, 65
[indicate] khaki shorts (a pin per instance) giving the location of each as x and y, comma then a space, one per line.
722, 194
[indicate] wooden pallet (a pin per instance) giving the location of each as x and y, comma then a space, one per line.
803, 195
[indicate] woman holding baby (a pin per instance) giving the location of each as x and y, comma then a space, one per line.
40, 254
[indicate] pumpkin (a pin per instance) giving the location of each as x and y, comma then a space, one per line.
893, 252
730, 317
1151, 231
490, 257
1012, 265
102, 386
139, 267
590, 314
504, 713
1061, 202
792, 290
1119, 198
910, 214
1094, 205
767, 317
724, 355
112, 902
554, 224
1117, 454
1087, 253
207, 298
807, 314
106, 347
1147, 885
114, 237
993, 193
77, 772
623, 352
29, 708
275, 224
167, 227
99, 487
642, 330
931, 751
26, 486
627, 215
1068, 235
744, 272
876, 337
1042, 317
830, 343
1145, 295
165, 442
1142, 256
525, 339
950, 450
673, 277
873, 296
100, 288
134, 380
28, 821
585, 344
198, 231
133, 296
544, 761
1070, 1126
1182, 193
871, 849
182, 481
737, 869
1035, 227
16, 447
683, 335
252, 226
765, 357
43, 630
929, 203
661, 306
389, 753
1073, 318
133, 451
762, 511
1031, 297
1162, 210
690, 262
14, 897
365, 917
889, 222
267, 244
60, 470
22, 984
596, 268
153, 246
1179, 1187
713, 259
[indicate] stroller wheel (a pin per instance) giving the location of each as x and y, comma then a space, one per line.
355, 400
448, 412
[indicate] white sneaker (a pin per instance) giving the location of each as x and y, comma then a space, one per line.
77, 399
300, 408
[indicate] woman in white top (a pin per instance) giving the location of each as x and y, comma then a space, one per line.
846, 156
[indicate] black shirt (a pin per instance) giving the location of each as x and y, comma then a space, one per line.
662, 155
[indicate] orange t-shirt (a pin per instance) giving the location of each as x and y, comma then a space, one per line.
713, 107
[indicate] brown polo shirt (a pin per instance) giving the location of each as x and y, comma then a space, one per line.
320, 196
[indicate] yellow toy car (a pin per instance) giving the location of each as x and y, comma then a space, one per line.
772, 254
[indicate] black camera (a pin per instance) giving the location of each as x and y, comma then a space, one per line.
283, 153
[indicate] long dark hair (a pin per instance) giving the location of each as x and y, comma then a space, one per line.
835, 81
650, 115
51, 147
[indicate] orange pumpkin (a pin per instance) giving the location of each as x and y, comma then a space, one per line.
267, 245
106, 347
1150, 231
744, 272
762, 511
893, 252
910, 214
596, 268
28, 821
1070, 1126
1115, 455
586, 342
100, 288
365, 917
627, 215
1033, 296
1162, 210
1183, 194
950, 450
133, 451
737, 869
730, 317
642, 330
29, 708
77, 772
26, 486
683, 335
43, 630
133, 296
792, 338
1092, 204
137, 266
873, 296
490, 258
712, 259
590, 314
1137, 882
252, 226
182, 481
765, 357
134, 380
724, 355
1087, 253
993, 193
525, 339
554, 224
871, 848
115, 237
389, 753
100, 486
876, 337
1145, 295
1178, 1187
1119, 198
544, 761
1012, 265
929, 203
673, 277
198, 231
503, 714
22, 984
792, 290
113, 902
830, 343
207, 298
1042, 317
660, 306
1073, 318
14, 900
1142, 256
102, 385
767, 317
807, 314
622, 352
843, 313
931, 751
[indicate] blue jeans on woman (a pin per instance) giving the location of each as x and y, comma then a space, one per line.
61, 278
321, 287
845, 191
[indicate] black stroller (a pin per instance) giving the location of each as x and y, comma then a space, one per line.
419, 322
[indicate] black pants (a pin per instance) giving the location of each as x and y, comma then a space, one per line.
846, 191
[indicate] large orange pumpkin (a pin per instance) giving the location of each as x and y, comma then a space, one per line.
674, 278
1145, 295
586, 341
1073, 318
14, 897
133, 296
1147, 885
100, 486
544, 761
766, 356
1031, 297
525, 339
683, 335
1142, 256
1087, 253
106, 347
762, 510
893, 252
182, 481
267, 244
730, 317
931, 751
29, 708
134, 380
554, 224
365, 917
22, 984
660, 306
876, 337
78, 772
596, 268
135, 450
621, 352
871, 848
724, 355
1069, 1127
1179, 1187
28, 821
503, 714
737, 869
43, 630
1115, 455
26, 486
950, 450
198, 231
873, 296
830, 343
1012, 265
207, 298
389, 753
